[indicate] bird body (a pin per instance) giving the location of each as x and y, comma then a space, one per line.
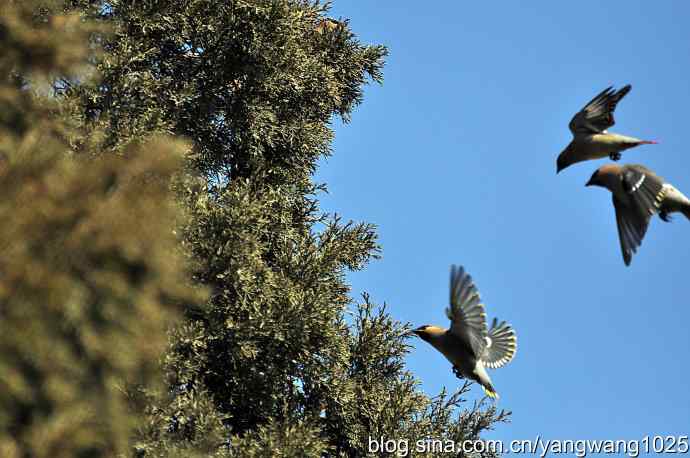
674, 201
328, 25
460, 355
591, 140
638, 193
596, 146
468, 344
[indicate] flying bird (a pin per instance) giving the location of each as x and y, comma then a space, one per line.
638, 193
590, 137
468, 344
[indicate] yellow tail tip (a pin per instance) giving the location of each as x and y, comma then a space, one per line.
490, 393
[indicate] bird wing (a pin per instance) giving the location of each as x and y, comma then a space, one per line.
645, 188
597, 115
466, 312
501, 345
645, 191
631, 229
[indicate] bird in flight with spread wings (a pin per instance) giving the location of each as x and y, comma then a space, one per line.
469, 345
591, 140
638, 193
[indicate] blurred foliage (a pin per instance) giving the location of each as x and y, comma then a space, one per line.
280, 360
90, 270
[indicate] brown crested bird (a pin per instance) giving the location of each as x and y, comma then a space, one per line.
638, 193
468, 344
590, 138
328, 25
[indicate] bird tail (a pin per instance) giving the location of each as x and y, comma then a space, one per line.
490, 391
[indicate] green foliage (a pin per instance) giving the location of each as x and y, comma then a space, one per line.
84, 299
251, 82
90, 273
280, 361
280, 440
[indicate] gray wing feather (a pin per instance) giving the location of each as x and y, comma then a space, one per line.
645, 192
645, 188
466, 312
597, 115
502, 345
632, 227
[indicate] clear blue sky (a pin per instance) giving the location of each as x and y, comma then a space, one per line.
454, 158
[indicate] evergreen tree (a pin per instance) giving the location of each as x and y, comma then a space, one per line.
90, 272
270, 365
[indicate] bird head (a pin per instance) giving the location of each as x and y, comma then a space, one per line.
428, 332
565, 159
605, 176
561, 163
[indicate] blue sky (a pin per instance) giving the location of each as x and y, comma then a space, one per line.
454, 158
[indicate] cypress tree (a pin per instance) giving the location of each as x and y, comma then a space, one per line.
281, 360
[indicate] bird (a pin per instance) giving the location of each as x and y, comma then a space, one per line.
591, 140
638, 194
468, 344
328, 25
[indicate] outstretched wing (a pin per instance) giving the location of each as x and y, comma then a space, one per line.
501, 345
466, 312
645, 188
631, 229
645, 192
597, 115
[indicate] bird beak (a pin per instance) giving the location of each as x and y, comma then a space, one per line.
589, 183
417, 332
